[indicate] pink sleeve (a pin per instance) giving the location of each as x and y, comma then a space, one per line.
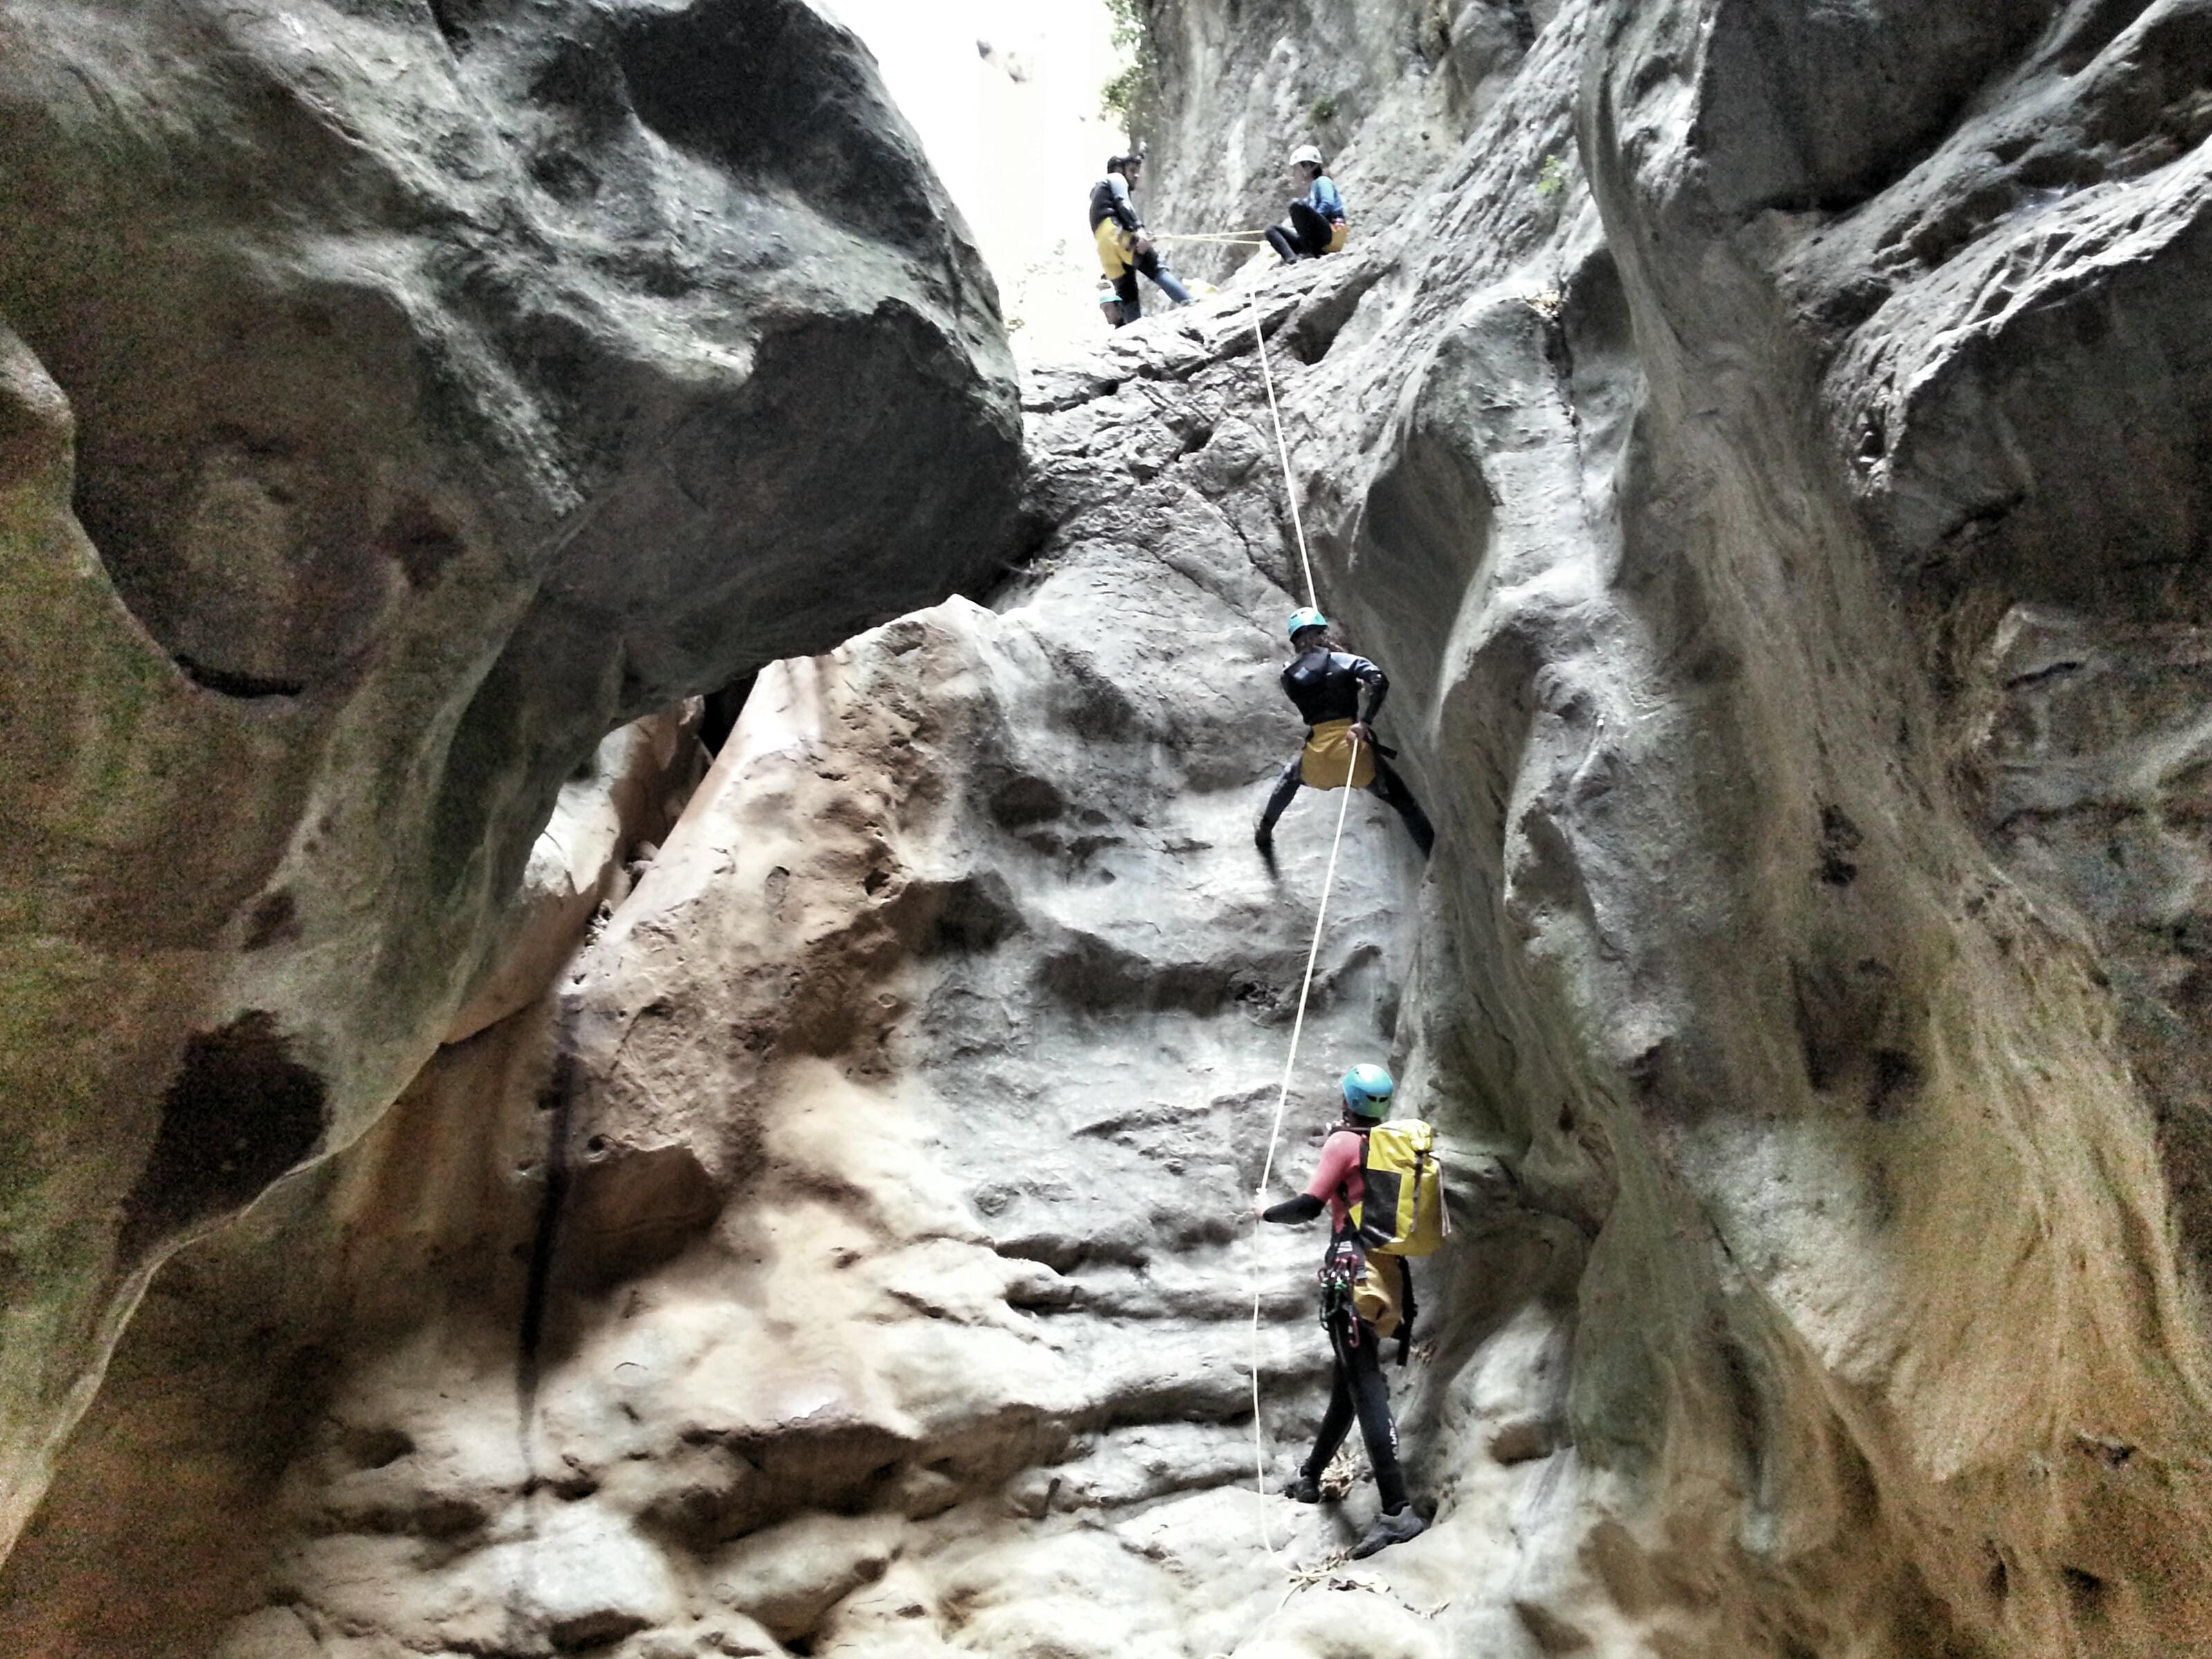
1340, 1155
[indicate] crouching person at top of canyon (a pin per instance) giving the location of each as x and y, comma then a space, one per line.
1317, 224
1324, 682
1381, 1187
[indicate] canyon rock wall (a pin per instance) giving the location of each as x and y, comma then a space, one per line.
852, 1250
1389, 92
1765, 451
394, 398
1891, 272
1811, 708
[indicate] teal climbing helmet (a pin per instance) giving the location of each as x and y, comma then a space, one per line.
1367, 1091
1305, 618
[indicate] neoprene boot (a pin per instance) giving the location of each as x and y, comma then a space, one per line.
1302, 1488
1394, 1527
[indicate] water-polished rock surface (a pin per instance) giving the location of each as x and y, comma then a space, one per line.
394, 398
1766, 453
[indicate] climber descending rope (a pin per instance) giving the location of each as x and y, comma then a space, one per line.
1324, 682
1383, 1191
1274, 1138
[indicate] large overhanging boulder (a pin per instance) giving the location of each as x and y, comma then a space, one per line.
1768, 460
393, 398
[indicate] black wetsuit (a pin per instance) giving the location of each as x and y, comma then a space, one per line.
1314, 219
1326, 685
1306, 237
1357, 1386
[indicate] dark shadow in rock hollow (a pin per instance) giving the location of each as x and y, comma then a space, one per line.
240, 1112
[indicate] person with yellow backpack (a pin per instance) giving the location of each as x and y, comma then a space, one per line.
1383, 1188
1324, 682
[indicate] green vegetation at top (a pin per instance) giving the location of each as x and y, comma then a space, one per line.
1129, 21
1129, 98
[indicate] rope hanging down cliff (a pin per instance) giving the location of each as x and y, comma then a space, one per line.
1283, 454
1274, 1137
1313, 948
1235, 237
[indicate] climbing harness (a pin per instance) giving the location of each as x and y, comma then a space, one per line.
1340, 1271
1331, 759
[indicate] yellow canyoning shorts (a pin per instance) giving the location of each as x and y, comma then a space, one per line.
1114, 246
1338, 237
1327, 762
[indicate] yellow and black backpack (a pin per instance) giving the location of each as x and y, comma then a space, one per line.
1403, 1212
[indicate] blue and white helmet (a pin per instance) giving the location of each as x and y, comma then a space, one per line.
1367, 1091
1304, 617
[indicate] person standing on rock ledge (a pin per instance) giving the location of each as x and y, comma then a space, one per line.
1324, 681
1317, 223
1124, 248
1366, 1300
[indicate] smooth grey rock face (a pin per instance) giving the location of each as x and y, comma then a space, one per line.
853, 1251
2016, 374
1388, 89
1802, 660
398, 397
1917, 1067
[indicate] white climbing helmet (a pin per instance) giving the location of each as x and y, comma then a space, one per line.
1308, 154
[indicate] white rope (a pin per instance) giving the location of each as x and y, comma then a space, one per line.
1283, 452
1275, 1135
1313, 948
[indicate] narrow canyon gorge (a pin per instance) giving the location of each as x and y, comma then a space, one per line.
643, 1017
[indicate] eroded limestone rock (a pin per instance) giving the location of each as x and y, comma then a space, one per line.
1800, 657
606, 829
398, 397
862, 1221
1388, 89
